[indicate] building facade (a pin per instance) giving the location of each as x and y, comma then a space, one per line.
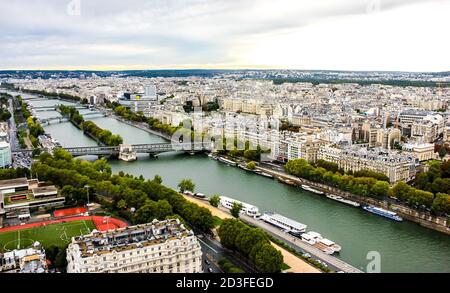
157, 247
397, 167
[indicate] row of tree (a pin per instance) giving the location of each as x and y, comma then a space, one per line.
5, 115
252, 243
371, 187
35, 129
134, 198
72, 113
57, 95
103, 135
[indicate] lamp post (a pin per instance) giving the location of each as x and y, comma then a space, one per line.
87, 192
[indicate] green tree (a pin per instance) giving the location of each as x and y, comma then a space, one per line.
158, 179
251, 165
442, 151
214, 201
380, 189
186, 185
441, 204
236, 209
122, 204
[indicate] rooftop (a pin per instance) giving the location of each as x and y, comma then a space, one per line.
11, 183
123, 239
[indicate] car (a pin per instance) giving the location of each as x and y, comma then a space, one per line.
207, 262
210, 270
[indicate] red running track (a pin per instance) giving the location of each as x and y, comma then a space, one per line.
69, 212
100, 223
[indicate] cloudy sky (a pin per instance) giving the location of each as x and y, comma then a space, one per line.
404, 35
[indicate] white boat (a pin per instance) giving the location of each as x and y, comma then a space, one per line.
317, 240
288, 225
248, 209
228, 162
343, 200
309, 188
200, 195
264, 174
331, 244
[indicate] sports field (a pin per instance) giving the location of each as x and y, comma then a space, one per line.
59, 234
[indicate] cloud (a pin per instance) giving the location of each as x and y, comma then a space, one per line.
204, 33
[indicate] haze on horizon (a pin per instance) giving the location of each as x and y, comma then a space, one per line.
360, 35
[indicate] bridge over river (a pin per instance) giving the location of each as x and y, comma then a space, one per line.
152, 149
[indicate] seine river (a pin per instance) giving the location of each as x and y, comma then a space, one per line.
404, 247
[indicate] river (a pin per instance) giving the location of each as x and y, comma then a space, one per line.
404, 247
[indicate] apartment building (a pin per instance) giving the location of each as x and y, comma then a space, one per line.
30, 260
157, 247
422, 151
397, 167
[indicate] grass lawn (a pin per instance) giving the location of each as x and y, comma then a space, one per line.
55, 234
217, 221
285, 267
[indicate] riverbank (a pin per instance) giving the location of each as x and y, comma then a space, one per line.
422, 218
296, 264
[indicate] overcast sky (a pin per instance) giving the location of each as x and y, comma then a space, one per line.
404, 35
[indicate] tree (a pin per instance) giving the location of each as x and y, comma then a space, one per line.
251, 165
268, 259
214, 201
122, 204
380, 189
441, 204
157, 179
236, 209
442, 151
401, 191
186, 185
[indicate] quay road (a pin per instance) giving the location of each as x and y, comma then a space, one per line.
213, 251
302, 247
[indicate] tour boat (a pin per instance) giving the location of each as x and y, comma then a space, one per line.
288, 225
286, 181
384, 213
343, 200
309, 188
248, 209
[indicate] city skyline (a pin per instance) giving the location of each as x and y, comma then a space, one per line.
80, 35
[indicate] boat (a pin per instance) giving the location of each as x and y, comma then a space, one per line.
318, 241
248, 209
309, 188
228, 162
199, 195
384, 213
245, 168
343, 200
286, 181
288, 225
264, 174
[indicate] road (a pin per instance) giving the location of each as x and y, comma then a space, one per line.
213, 251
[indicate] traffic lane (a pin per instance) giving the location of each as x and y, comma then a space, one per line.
233, 258
210, 257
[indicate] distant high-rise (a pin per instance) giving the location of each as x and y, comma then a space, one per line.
150, 91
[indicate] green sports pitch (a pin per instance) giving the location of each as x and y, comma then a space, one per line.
55, 234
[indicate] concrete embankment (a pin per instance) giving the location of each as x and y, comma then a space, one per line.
422, 218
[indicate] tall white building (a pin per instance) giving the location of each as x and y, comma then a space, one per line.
157, 247
5, 154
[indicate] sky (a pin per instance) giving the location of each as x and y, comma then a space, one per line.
391, 35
